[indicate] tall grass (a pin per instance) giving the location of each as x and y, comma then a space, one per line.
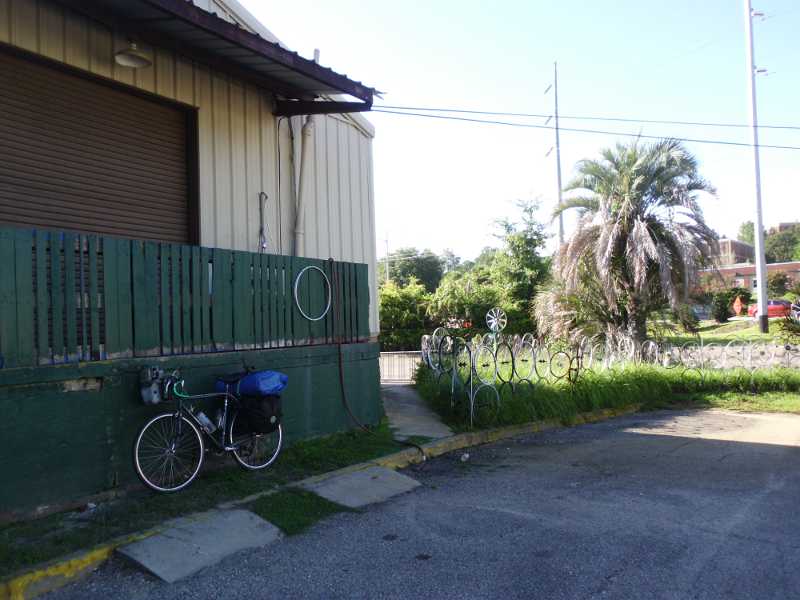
646, 385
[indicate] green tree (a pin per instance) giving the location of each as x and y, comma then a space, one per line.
778, 284
640, 236
747, 233
403, 315
407, 263
780, 247
507, 277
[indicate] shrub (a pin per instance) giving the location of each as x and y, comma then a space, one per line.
403, 315
721, 307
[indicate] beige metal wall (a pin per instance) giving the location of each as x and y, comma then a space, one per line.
244, 148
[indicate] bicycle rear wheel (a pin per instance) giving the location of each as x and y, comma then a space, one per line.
253, 451
168, 453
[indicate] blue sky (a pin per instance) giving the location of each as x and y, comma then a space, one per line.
441, 184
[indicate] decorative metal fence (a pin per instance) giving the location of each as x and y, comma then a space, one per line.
478, 369
68, 297
399, 367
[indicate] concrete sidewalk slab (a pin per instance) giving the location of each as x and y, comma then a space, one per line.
360, 488
408, 414
189, 544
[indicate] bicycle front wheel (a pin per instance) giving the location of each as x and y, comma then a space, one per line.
253, 451
168, 453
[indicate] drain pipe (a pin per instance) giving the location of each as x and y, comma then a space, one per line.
303, 185
306, 141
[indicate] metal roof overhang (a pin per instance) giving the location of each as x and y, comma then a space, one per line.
181, 26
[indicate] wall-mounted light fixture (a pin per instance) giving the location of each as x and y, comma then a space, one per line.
132, 57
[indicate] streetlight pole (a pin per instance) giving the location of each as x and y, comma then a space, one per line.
558, 156
761, 263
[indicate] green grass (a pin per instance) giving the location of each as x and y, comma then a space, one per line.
785, 402
722, 333
27, 543
294, 510
650, 386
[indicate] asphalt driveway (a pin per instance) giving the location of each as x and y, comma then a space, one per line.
659, 505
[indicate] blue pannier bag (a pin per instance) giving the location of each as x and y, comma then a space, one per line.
259, 383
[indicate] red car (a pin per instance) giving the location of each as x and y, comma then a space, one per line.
775, 308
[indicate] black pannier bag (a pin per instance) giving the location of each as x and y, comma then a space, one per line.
263, 413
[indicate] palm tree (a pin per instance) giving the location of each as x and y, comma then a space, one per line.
641, 236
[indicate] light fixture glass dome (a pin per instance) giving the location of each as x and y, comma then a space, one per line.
132, 57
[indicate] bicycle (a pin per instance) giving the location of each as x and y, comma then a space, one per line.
170, 449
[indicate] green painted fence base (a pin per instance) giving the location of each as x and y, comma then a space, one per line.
68, 430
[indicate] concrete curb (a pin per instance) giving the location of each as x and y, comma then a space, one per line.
59, 572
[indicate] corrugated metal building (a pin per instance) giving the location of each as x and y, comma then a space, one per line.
243, 147
153, 156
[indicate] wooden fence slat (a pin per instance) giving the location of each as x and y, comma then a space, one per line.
164, 300
125, 297
241, 297
175, 298
110, 294
288, 302
299, 323
222, 300
316, 289
144, 262
351, 301
57, 294
23, 257
139, 283
94, 299
70, 298
258, 299
363, 301
328, 321
280, 311
206, 268
195, 300
8, 299
251, 260
186, 299
272, 321
309, 281
42, 299
83, 291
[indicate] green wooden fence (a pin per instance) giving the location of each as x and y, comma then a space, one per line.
67, 297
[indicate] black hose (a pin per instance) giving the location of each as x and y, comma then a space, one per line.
336, 307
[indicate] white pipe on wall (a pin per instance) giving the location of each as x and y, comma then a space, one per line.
307, 146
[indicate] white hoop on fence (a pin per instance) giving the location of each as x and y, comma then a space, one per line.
327, 288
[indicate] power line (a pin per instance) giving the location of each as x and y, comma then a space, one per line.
582, 118
576, 130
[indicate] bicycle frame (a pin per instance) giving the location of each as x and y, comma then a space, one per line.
174, 389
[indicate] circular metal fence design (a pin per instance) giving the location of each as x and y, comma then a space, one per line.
484, 369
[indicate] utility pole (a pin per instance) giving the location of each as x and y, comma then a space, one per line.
558, 155
761, 263
387, 260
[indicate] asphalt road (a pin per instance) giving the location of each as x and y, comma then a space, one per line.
658, 505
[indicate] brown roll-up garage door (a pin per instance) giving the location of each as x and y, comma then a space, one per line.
81, 155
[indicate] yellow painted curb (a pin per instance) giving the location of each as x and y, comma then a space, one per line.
57, 574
